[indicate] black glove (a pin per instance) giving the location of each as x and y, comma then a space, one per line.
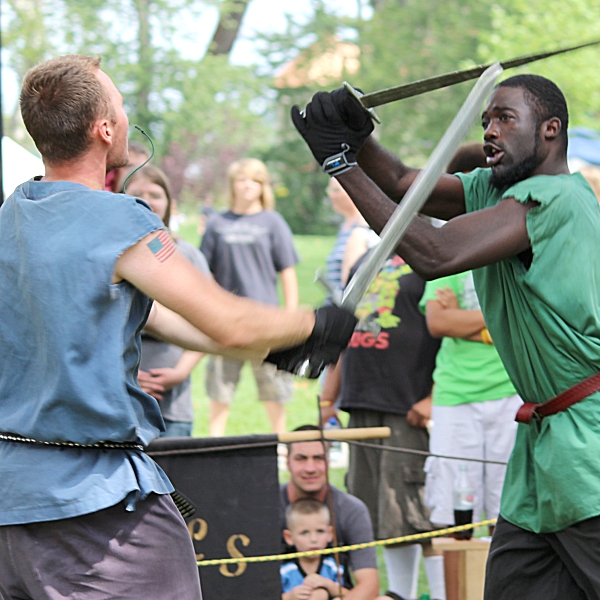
333, 143
332, 332
352, 112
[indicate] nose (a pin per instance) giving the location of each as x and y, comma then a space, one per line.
491, 131
311, 465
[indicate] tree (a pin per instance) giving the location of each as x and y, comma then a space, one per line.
202, 113
520, 26
27, 34
410, 40
230, 21
296, 55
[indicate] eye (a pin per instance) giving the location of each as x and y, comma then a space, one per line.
505, 117
485, 123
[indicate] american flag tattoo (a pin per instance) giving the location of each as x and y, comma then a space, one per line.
162, 246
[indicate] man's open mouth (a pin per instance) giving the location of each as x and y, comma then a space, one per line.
493, 155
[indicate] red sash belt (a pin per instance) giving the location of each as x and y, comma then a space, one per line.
574, 394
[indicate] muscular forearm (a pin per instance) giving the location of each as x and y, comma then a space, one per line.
467, 241
370, 200
367, 585
421, 247
171, 327
385, 169
229, 320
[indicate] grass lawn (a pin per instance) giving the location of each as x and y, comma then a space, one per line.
247, 416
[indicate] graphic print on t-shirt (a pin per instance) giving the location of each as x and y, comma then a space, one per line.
380, 298
242, 232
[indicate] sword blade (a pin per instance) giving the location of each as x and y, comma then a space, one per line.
421, 188
429, 84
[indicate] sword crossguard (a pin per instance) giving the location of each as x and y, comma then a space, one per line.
358, 95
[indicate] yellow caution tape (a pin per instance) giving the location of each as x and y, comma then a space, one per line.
397, 540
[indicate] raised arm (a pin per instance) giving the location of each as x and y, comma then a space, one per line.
337, 131
227, 319
156, 267
394, 178
466, 242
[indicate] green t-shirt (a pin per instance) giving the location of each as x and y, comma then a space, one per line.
545, 323
465, 371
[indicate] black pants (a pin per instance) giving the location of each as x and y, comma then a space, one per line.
556, 566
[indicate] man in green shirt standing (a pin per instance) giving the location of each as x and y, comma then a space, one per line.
532, 237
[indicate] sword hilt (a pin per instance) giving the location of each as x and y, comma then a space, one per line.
358, 95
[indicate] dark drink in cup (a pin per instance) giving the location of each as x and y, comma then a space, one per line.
463, 517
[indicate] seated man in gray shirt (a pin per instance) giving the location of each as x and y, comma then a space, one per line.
306, 464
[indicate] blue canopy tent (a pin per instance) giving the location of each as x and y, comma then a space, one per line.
584, 144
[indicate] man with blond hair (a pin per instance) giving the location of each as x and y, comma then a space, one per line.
84, 513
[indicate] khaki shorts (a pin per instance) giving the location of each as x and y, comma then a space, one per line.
391, 484
223, 375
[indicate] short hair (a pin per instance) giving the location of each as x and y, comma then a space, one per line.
305, 506
305, 428
545, 98
257, 170
468, 157
157, 176
60, 100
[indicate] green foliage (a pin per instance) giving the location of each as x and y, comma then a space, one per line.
215, 113
27, 33
301, 183
204, 113
520, 26
411, 40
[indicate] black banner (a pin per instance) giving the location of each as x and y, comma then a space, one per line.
236, 493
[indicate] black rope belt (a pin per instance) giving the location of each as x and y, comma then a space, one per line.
11, 437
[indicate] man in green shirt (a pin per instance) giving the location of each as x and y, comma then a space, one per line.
474, 401
532, 237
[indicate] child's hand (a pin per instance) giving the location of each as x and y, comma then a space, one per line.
300, 592
315, 580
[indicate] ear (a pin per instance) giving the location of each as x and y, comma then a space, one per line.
103, 130
551, 128
329, 533
287, 536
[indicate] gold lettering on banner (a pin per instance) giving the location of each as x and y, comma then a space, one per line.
198, 529
235, 553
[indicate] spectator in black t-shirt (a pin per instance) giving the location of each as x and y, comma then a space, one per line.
385, 379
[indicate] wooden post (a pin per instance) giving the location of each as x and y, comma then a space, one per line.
357, 433
464, 567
